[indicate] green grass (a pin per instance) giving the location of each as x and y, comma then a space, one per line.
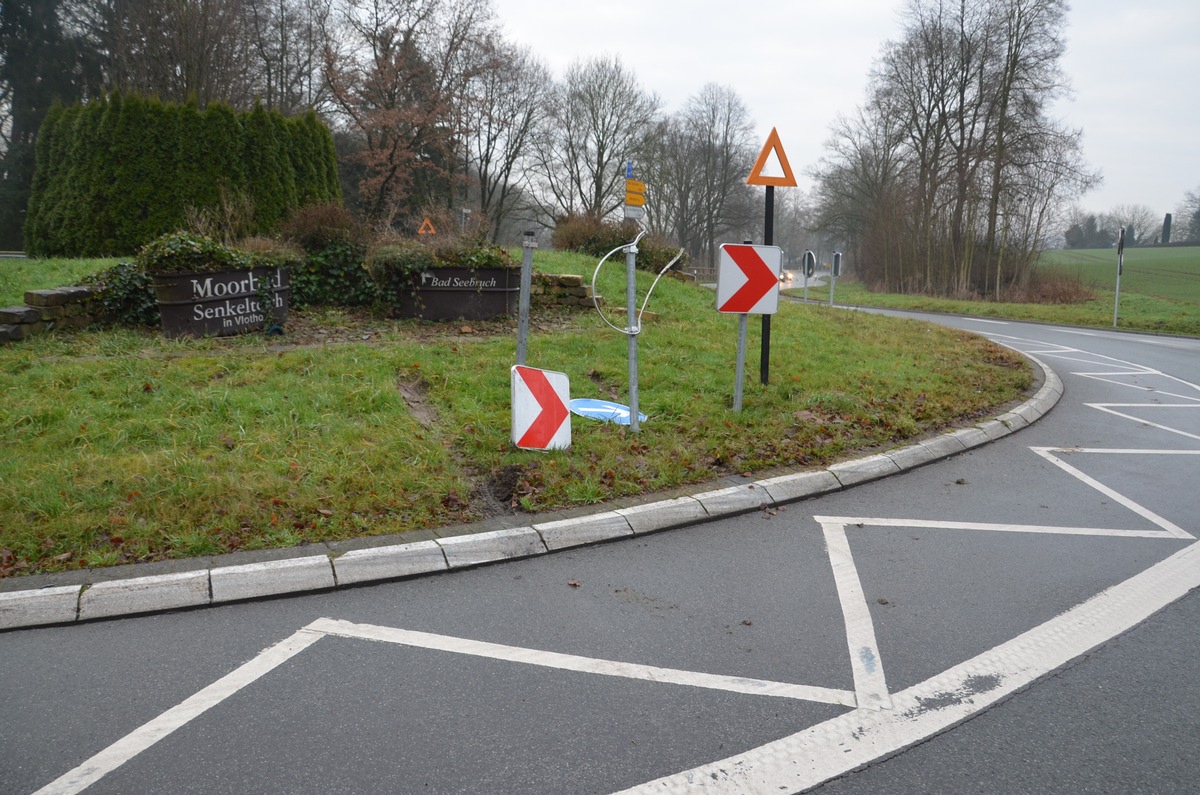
19, 275
121, 446
1160, 292
1172, 274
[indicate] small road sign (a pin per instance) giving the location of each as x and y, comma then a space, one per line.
540, 419
426, 228
635, 193
748, 279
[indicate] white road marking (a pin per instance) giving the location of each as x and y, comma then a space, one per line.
1106, 407
589, 665
1170, 527
870, 684
849, 741
994, 528
149, 733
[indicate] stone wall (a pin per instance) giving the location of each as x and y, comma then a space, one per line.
560, 289
61, 307
73, 307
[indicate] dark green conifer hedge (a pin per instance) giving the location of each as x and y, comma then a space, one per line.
117, 172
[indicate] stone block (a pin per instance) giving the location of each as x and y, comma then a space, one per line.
799, 486
19, 314
479, 548
144, 595
864, 469
45, 298
38, 607
389, 563
664, 514
254, 580
583, 530
943, 445
971, 437
733, 500
911, 457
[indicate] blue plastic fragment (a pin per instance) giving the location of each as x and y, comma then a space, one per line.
603, 410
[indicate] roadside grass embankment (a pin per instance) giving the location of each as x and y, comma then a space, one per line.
1160, 293
17, 275
121, 446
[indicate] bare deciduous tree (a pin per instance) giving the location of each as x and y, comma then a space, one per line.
959, 103
287, 38
597, 118
503, 109
397, 82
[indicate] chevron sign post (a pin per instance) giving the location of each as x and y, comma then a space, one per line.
747, 283
540, 419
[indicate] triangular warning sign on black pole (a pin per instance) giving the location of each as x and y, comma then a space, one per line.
772, 173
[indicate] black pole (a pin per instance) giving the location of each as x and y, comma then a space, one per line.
768, 240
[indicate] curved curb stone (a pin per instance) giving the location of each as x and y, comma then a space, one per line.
73, 603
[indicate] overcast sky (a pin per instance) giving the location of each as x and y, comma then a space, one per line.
796, 64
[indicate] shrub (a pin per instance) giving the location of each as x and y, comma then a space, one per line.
186, 252
126, 295
589, 235
230, 217
393, 262
1052, 286
315, 226
334, 244
267, 252
120, 170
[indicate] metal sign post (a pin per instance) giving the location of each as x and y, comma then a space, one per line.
743, 322
834, 272
631, 315
1120, 267
764, 367
528, 244
809, 267
771, 169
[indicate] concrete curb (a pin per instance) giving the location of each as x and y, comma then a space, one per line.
222, 584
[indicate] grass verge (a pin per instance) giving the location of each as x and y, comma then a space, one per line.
121, 446
19, 275
1137, 311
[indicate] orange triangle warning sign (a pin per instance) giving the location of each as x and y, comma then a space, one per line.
427, 227
775, 172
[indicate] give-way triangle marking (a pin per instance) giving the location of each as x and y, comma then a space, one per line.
748, 279
540, 419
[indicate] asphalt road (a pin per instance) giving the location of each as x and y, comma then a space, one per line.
1018, 618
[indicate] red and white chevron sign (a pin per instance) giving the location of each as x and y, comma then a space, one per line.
748, 279
540, 419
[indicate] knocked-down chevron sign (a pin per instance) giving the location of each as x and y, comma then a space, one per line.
540, 419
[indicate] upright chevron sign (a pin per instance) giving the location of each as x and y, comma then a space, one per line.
748, 279
540, 419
